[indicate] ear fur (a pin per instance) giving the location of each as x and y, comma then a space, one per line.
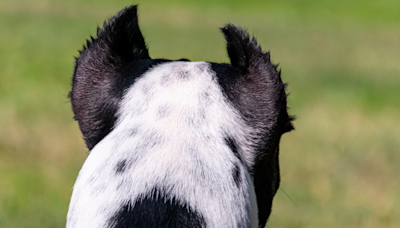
241, 50
98, 81
123, 37
262, 92
260, 96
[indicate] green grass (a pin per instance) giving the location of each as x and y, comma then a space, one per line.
341, 59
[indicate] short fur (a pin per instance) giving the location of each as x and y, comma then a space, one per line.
175, 143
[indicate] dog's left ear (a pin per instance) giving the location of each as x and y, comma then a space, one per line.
99, 81
123, 37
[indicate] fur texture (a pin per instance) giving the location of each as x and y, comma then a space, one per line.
175, 143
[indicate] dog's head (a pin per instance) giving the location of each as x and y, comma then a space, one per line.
175, 134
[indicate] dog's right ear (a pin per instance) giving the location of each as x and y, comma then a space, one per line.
98, 82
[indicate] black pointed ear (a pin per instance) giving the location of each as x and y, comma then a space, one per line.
263, 89
123, 37
98, 82
241, 50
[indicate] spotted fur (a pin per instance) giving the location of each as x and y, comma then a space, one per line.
175, 143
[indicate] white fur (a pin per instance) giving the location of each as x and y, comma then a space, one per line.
171, 125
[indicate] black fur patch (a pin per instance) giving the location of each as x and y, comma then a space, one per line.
266, 181
120, 167
156, 211
233, 146
236, 175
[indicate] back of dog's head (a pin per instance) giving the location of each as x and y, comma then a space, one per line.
175, 143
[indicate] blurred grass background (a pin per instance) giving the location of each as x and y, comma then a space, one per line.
340, 168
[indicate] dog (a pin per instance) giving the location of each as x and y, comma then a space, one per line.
175, 143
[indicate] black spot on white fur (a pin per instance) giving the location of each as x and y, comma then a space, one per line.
175, 143
230, 142
236, 175
120, 167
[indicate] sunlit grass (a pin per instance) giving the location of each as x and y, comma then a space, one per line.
341, 59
